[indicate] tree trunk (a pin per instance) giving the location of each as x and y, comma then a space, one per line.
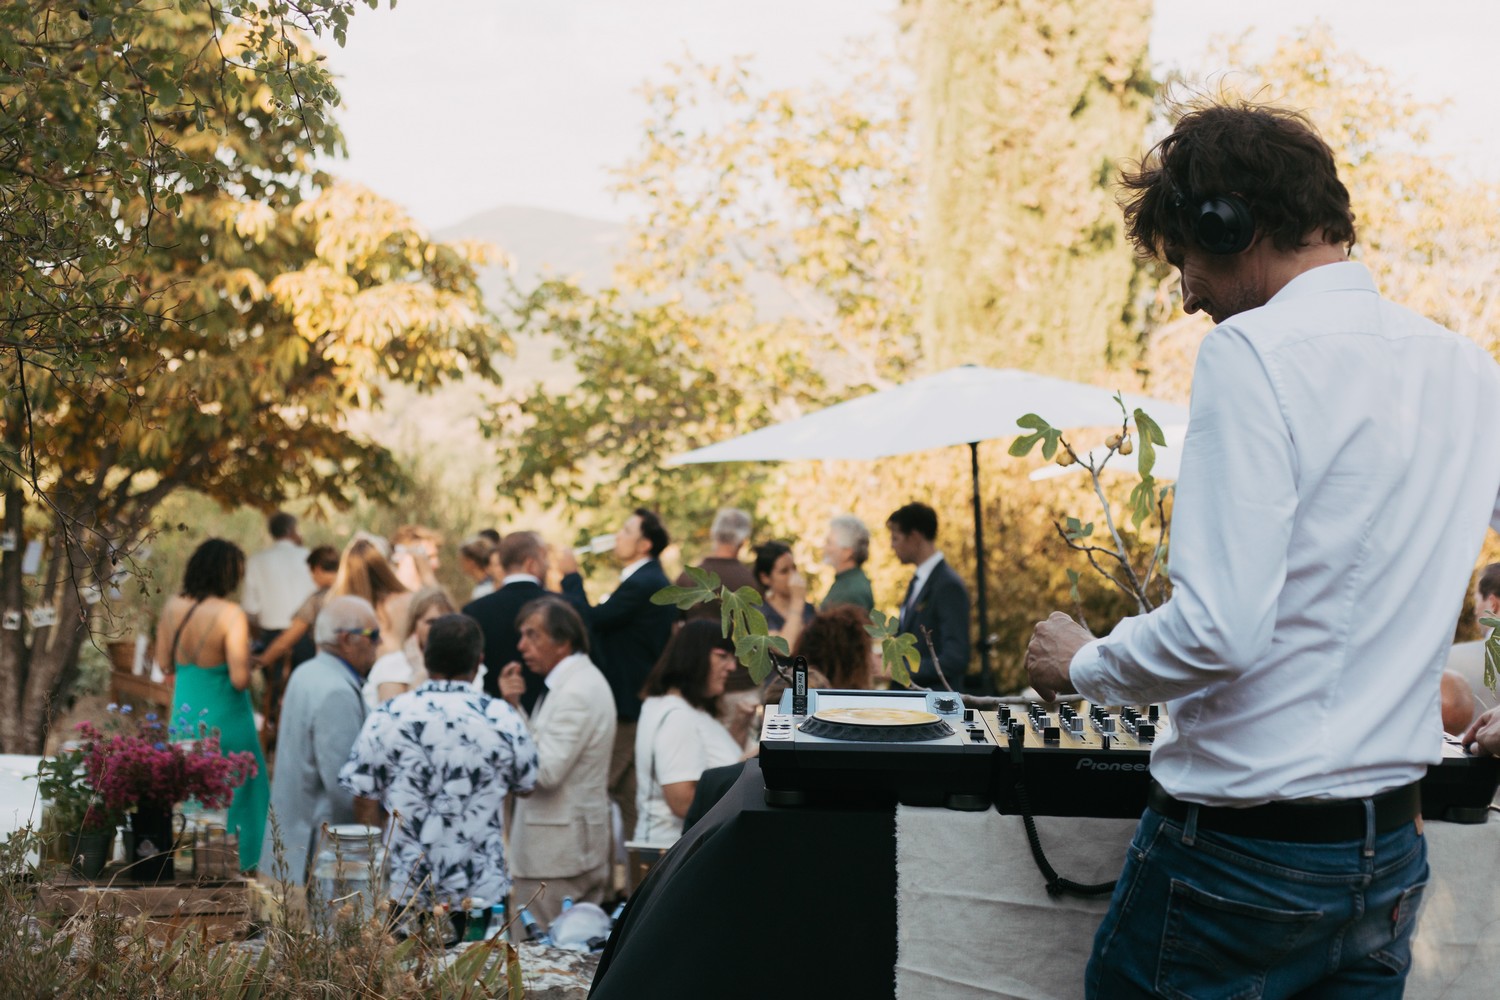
13, 652
54, 650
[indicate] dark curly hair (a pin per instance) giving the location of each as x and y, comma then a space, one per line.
836, 642
684, 664
214, 570
1271, 157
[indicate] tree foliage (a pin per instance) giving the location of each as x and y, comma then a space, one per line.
1025, 110
217, 306
772, 270
1429, 232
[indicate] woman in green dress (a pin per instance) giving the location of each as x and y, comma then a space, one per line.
203, 640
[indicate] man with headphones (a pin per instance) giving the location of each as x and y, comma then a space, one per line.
1339, 468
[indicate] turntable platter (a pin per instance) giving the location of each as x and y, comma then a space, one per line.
876, 725
876, 717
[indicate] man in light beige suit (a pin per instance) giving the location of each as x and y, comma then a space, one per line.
561, 832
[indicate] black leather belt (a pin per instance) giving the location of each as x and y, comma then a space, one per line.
1303, 821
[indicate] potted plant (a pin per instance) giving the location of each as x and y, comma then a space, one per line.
139, 771
79, 827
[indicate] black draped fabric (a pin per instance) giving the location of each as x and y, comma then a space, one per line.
759, 901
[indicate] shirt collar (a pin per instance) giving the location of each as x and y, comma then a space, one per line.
1345, 275
434, 684
511, 578
628, 571
359, 679
565, 666
925, 568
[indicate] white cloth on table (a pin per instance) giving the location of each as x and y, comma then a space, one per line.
987, 930
673, 742
1340, 465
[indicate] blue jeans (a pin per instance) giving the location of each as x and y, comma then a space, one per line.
1201, 915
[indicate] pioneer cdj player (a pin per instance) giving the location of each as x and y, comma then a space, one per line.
917, 748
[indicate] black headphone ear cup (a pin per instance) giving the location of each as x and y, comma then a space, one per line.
1223, 225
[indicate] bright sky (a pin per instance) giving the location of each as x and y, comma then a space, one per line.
453, 107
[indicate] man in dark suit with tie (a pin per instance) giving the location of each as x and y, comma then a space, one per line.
630, 633
523, 558
936, 599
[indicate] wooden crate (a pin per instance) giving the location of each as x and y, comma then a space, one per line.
221, 907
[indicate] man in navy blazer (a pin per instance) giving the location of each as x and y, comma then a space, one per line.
936, 599
630, 633
523, 559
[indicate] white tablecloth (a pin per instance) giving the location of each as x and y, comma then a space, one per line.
18, 793
974, 919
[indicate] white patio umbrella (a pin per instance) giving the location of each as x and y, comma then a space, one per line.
963, 405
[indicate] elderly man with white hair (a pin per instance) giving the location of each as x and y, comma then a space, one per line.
730, 531
847, 548
321, 714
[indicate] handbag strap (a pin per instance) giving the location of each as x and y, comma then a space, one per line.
655, 785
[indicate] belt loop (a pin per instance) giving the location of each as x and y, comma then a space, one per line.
1190, 825
1370, 830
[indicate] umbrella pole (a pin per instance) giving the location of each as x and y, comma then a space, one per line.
986, 680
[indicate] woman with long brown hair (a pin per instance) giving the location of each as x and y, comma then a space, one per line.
364, 572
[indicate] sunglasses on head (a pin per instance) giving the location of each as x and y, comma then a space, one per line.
373, 634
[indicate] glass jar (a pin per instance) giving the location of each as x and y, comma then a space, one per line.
349, 870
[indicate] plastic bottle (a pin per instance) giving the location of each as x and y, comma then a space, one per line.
497, 923
534, 932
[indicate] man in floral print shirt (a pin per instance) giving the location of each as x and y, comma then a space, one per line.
439, 761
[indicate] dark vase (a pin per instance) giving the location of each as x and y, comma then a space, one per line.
89, 852
152, 844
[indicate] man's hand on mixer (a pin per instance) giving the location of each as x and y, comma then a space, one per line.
1050, 653
1483, 734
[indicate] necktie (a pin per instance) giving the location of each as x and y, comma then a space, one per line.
911, 596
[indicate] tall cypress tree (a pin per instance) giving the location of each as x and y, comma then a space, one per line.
1026, 109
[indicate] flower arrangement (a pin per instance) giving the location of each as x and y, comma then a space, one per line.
139, 767
72, 804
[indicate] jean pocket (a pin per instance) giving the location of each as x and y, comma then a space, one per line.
1396, 954
1215, 948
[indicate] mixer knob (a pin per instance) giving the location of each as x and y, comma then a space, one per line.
1153, 712
1106, 741
1145, 732
1050, 735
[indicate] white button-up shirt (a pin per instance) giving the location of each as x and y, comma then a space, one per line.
277, 581
1341, 462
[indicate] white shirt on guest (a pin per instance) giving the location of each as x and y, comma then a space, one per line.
277, 581
673, 742
1341, 462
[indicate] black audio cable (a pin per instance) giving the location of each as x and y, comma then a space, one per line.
1056, 884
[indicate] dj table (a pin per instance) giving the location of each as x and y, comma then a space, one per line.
803, 902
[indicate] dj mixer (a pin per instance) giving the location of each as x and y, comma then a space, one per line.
926, 748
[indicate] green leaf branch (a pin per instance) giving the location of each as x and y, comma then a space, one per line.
744, 623
1491, 651
1147, 499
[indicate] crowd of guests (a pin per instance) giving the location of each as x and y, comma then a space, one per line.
520, 736
517, 738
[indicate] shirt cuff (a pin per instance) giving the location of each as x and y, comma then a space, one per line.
1087, 673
